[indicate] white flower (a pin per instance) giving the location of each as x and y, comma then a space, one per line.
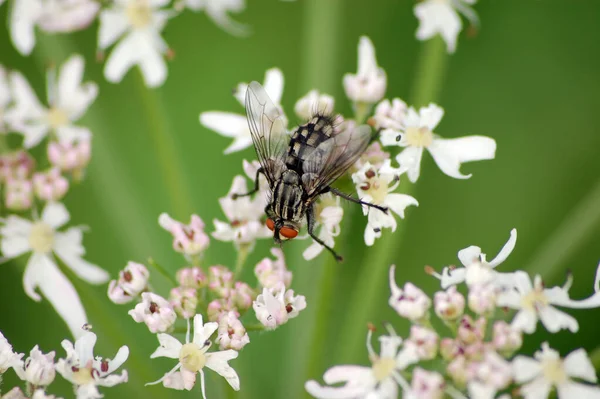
426, 385
369, 83
193, 357
87, 372
155, 311
381, 380
67, 15
422, 344
482, 298
506, 339
236, 126
548, 370
314, 102
132, 281
329, 215
8, 358
390, 115
41, 238
243, 214
68, 99
410, 302
376, 188
486, 377
441, 16
417, 134
477, 270
217, 11
5, 98
231, 334
189, 239
38, 368
275, 307
184, 301
449, 304
140, 22
273, 274
50, 185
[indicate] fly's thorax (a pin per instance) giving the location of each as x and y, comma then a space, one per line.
307, 137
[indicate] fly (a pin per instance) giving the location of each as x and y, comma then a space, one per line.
301, 167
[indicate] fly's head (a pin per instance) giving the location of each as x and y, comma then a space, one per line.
282, 229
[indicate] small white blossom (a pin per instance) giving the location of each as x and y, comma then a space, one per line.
482, 298
70, 156
273, 274
329, 214
236, 126
422, 344
217, 11
155, 311
547, 370
506, 339
41, 238
276, 308
442, 16
449, 304
8, 358
64, 16
18, 194
189, 239
488, 376
184, 301
191, 277
410, 302
68, 99
417, 135
132, 281
140, 23
220, 280
231, 333
314, 102
426, 385
50, 185
390, 115
369, 83
87, 372
193, 357
469, 331
376, 187
38, 369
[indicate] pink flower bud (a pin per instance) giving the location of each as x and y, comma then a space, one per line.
184, 301
450, 348
470, 332
242, 296
220, 280
424, 341
217, 308
188, 239
50, 185
270, 273
18, 194
449, 304
492, 371
155, 311
232, 334
117, 294
390, 115
410, 302
38, 368
482, 298
16, 165
69, 156
132, 281
506, 339
457, 370
427, 384
191, 277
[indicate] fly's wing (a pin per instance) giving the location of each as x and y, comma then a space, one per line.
333, 157
267, 128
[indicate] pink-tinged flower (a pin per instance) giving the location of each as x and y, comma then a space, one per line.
218, 307
68, 99
449, 154
189, 239
220, 280
422, 343
50, 185
184, 301
369, 83
42, 238
133, 280
450, 348
426, 385
547, 370
191, 277
38, 369
242, 296
390, 115
482, 298
273, 273
457, 370
64, 16
314, 102
18, 194
449, 304
155, 311
69, 156
410, 302
16, 165
8, 358
373, 155
488, 376
86, 371
328, 215
506, 339
276, 308
470, 331
193, 357
231, 333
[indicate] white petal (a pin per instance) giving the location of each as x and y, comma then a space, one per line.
55, 214
389, 137
525, 369
574, 390
452, 277
478, 390
358, 381
537, 389
22, 23
169, 347
469, 255
274, 84
180, 380
125, 54
577, 364
437, 17
410, 159
203, 332
367, 63
525, 321
217, 361
506, 249
33, 135
15, 237
88, 391
153, 67
67, 246
27, 103
430, 116
31, 276
112, 380
74, 97
113, 23
312, 251
239, 143
118, 360
84, 346
399, 202
509, 298
225, 123
370, 235
555, 320
449, 154
71, 133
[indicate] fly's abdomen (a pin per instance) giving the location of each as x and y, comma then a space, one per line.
306, 138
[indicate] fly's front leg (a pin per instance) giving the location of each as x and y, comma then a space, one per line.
256, 185
310, 216
350, 198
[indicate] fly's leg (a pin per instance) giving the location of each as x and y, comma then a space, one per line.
352, 199
310, 216
256, 184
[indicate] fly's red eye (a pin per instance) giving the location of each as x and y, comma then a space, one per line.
288, 232
270, 224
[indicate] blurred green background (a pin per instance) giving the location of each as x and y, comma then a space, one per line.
530, 79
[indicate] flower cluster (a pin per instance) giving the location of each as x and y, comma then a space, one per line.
476, 357
212, 296
407, 131
79, 367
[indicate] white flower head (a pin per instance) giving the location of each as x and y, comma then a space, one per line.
329, 214
155, 311
410, 302
42, 238
217, 11
417, 134
231, 333
275, 307
132, 281
64, 16
442, 16
449, 304
139, 23
236, 126
68, 99
376, 187
547, 370
189, 239
87, 372
273, 274
8, 358
38, 369
193, 357
369, 83
314, 102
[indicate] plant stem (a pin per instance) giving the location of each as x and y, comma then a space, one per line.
595, 358
242, 255
162, 271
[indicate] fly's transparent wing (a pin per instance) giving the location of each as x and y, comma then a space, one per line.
333, 157
267, 127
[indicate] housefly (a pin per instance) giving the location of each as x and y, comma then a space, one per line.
302, 166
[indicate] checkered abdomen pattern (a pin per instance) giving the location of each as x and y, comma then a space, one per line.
306, 138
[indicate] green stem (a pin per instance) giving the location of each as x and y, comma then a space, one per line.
595, 358
162, 271
242, 255
254, 327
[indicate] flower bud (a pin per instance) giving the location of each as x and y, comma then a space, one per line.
410, 302
390, 115
218, 307
8, 358
457, 370
450, 348
313, 102
482, 298
275, 308
155, 311
470, 332
231, 332
50, 185
16, 165
191, 277
271, 273
449, 305
369, 84
242, 296
424, 341
220, 280
427, 384
18, 194
184, 301
70, 156
38, 368
492, 371
373, 155
188, 239
506, 339
133, 280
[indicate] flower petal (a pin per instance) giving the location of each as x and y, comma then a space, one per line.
112, 380
118, 360
169, 347
525, 321
71, 133
31, 275
225, 123
572, 389
22, 23
217, 361
203, 332
125, 55
239, 143
73, 97
506, 249
430, 116
399, 202
274, 84
410, 159
180, 380
15, 237
113, 23
525, 368
358, 382
577, 364
64, 249
555, 320
55, 215
84, 346
469, 255
452, 277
